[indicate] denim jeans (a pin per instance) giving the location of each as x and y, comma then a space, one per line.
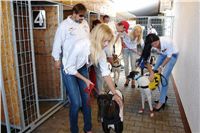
166, 73
78, 98
127, 53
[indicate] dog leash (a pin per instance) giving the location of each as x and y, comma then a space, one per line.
161, 80
89, 91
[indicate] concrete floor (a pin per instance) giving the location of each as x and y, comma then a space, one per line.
165, 121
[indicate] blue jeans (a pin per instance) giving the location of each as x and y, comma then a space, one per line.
78, 98
166, 73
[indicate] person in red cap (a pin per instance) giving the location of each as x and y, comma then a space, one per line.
129, 50
126, 25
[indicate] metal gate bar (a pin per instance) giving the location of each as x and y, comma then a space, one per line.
22, 40
9, 98
25, 61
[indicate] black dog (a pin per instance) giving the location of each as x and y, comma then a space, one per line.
109, 113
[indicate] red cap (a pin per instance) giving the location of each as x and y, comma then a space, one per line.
126, 25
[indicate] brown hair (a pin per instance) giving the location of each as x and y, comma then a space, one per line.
105, 16
78, 8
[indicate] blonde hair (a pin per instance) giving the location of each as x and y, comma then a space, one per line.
132, 34
98, 35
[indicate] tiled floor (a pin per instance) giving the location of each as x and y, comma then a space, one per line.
165, 121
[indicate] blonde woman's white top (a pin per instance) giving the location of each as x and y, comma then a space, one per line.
102, 60
66, 35
131, 44
167, 47
78, 56
102, 63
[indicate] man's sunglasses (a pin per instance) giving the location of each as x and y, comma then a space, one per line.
81, 15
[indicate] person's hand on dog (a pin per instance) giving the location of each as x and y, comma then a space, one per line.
118, 99
151, 77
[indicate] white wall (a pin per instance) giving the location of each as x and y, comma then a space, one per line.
187, 69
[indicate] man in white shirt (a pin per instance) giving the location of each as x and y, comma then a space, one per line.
69, 32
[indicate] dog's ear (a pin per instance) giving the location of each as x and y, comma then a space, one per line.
136, 72
131, 75
110, 96
100, 97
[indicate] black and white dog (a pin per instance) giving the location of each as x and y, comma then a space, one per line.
143, 82
109, 112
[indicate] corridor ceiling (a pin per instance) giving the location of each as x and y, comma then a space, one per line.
138, 7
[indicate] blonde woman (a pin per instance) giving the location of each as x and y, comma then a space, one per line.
136, 36
101, 37
132, 49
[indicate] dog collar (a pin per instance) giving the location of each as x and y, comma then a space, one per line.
138, 77
116, 66
143, 87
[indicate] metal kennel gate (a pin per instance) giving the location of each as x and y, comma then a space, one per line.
162, 24
25, 63
21, 107
10, 117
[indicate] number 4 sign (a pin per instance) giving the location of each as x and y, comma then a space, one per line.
39, 19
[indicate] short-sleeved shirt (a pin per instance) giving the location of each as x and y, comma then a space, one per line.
167, 47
